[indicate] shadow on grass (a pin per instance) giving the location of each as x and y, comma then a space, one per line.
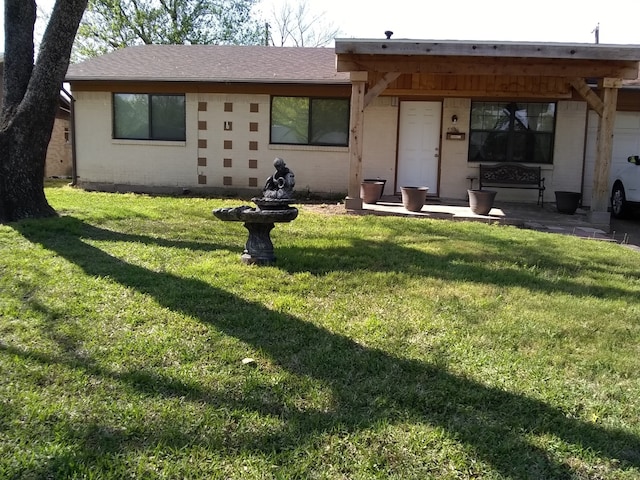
368, 386
483, 255
523, 267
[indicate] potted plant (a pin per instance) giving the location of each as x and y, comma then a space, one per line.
567, 202
413, 198
371, 190
481, 201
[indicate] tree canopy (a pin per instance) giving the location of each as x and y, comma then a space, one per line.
112, 24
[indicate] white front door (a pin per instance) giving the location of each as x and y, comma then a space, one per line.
419, 145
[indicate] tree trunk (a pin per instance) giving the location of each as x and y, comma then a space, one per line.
30, 101
23, 148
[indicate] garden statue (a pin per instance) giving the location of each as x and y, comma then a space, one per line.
280, 184
273, 207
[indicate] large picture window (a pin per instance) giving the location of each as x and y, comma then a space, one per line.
512, 132
141, 116
310, 121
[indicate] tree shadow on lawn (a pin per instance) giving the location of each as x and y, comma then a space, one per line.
368, 386
542, 272
485, 256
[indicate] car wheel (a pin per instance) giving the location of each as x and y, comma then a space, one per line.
618, 201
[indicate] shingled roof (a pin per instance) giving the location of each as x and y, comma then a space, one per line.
212, 63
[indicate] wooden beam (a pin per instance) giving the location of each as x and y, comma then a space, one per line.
588, 94
485, 49
380, 87
610, 83
402, 92
489, 66
604, 148
358, 76
421, 84
356, 128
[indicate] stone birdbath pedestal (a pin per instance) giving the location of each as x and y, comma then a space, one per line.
273, 207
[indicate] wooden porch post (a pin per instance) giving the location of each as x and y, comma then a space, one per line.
604, 147
358, 86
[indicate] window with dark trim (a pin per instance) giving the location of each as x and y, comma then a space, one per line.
512, 132
310, 121
142, 116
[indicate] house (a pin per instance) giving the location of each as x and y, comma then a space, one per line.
163, 118
213, 118
58, 162
519, 102
59, 153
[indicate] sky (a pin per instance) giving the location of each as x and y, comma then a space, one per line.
534, 21
537, 20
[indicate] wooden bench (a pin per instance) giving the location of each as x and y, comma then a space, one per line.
513, 175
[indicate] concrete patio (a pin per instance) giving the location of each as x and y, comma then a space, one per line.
530, 216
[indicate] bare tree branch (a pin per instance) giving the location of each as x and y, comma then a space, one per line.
300, 27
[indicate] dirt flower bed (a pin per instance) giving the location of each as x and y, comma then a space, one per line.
326, 208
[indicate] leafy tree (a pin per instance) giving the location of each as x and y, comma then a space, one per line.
298, 26
31, 98
112, 24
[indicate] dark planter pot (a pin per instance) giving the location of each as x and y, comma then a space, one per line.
371, 190
481, 201
384, 181
413, 198
568, 202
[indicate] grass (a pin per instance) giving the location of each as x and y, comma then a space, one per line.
384, 348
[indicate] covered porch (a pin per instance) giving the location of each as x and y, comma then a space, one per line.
456, 73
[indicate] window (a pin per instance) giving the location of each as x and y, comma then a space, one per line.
144, 116
310, 121
512, 132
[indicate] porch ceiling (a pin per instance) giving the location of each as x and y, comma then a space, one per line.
488, 58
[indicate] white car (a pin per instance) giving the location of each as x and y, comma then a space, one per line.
625, 190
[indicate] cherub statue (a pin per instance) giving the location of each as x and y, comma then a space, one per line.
281, 183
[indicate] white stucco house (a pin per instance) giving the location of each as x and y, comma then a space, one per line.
213, 118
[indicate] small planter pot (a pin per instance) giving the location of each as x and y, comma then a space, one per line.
481, 201
371, 190
413, 198
567, 202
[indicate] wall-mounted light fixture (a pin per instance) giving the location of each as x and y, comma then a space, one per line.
454, 119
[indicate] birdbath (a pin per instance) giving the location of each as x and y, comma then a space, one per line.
273, 207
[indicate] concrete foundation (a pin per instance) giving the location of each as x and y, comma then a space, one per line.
351, 203
601, 220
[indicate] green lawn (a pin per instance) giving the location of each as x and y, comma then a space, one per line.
384, 348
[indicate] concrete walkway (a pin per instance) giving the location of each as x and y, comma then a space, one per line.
546, 219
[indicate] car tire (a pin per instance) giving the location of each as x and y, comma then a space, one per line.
619, 206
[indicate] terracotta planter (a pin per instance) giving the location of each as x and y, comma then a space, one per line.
481, 201
413, 198
371, 190
567, 202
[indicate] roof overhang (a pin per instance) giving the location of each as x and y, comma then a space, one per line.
451, 57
